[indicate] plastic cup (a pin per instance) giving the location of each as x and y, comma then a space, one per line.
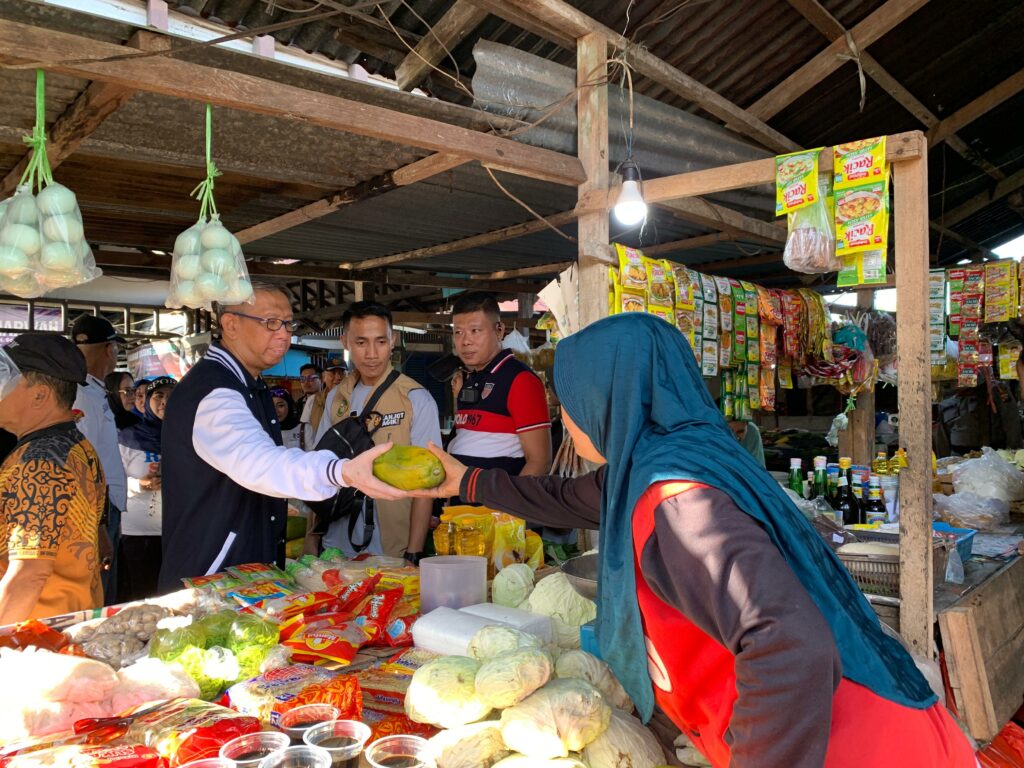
247, 751
342, 739
295, 722
452, 581
210, 762
297, 757
400, 752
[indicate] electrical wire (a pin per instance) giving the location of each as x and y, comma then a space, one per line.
536, 215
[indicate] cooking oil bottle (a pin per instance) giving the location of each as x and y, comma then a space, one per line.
880, 466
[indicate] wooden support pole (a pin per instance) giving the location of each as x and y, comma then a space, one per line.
592, 142
911, 211
858, 440
458, 21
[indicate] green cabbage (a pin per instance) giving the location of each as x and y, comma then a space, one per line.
217, 627
512, 585
522, 761
497, 640
477, 745
443, 693
555, 597
174, 636
626, 744
508, 679
562, 717
213, 669
585, 666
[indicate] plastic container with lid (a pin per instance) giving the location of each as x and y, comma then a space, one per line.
452, 581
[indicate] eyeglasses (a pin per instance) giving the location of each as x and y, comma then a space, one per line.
272, 324
314, 377
126, 391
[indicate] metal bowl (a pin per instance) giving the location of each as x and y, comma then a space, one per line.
582, 574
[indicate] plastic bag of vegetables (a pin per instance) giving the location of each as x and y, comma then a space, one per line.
585, 666
497, 640
443, 693
477, 745
626, 744
251, 639
555, 597
506, 680
562, 717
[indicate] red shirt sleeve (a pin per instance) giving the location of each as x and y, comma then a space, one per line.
528, 403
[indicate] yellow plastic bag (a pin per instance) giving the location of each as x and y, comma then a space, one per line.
509, 541
534, 550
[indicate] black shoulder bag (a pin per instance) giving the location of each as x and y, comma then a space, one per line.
346, 440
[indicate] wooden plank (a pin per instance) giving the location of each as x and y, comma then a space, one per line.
416, 171
899, 148
914, 399
474, 241
687, 244
858, 440
983, 636
526, 20
1009, 88
592, 146
457, 22
560, 15
59, 52
540, 269
829, 60
978, 202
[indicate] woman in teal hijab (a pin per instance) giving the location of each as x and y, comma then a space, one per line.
717, 600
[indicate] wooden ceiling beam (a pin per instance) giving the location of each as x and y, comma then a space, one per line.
1002, 189
560, 15
877, 24
451, 29
1007, 89
79, 56
830, 27
466, 243
84, 115
697, 210
540, 269
528, 22
408, 174
687, 244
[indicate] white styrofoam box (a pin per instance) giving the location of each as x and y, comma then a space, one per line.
447, 631
524, 621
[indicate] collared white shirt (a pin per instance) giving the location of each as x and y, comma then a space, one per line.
100, 429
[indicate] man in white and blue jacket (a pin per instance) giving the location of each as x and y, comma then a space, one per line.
226, 476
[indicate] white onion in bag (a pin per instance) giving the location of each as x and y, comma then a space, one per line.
187, 293
188, 266
215, 236
239, 292
58, 257
218, 261
66, 229
13, 261
21, 236
24, 286
188, 241
22, 209
56, 199
210, 286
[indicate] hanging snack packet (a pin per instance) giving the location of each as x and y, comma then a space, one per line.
792, 313
739, 322
766, 388
1000, 290
862, 217
796, 180
856, 162
660, 283
632, 269
614, 291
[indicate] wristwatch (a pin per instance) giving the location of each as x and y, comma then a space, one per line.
413, 557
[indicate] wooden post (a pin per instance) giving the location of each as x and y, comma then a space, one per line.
911, 209
592, 139
858, 440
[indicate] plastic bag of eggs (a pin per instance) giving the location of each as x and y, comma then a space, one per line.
208, 266
42, 242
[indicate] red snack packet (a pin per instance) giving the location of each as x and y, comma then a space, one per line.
398, 633
279, 608
391, 724
87, 756
349, 597
190, 729
292, 626
376, 612
33, 633
340, 643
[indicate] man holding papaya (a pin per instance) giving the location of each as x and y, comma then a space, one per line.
405, 414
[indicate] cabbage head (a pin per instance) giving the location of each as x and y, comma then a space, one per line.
508, 679
626, 744
522, 761
562, 717
443, 693
512, 585
477, 745
555, 597
586, 666
497, 640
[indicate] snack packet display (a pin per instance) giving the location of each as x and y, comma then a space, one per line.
660, 284
338, 644
796, 180
253, 572
271, 694
862, 217
1000, 290
632, 269
189, 729
394, 724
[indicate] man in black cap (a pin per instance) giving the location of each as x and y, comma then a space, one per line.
97, 341
52, 489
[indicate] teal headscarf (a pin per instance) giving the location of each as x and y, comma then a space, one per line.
631, 383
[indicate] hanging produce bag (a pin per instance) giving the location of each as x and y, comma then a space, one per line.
811, 243
208, 265
42, 239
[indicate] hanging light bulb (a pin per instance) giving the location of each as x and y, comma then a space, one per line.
630, 208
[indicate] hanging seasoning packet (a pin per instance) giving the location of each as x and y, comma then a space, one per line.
796, 180
1000, 290
856, 162
862, 217
660, 283
632, 270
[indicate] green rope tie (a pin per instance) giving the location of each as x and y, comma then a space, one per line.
851, 404
204, 190
38, 173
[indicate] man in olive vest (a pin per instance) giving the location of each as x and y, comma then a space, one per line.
405, 414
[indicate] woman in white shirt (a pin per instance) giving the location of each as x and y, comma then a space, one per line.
139, 549
288, 418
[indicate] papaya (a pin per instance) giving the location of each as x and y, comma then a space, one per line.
409, 468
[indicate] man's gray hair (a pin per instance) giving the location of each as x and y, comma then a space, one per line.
258, 286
